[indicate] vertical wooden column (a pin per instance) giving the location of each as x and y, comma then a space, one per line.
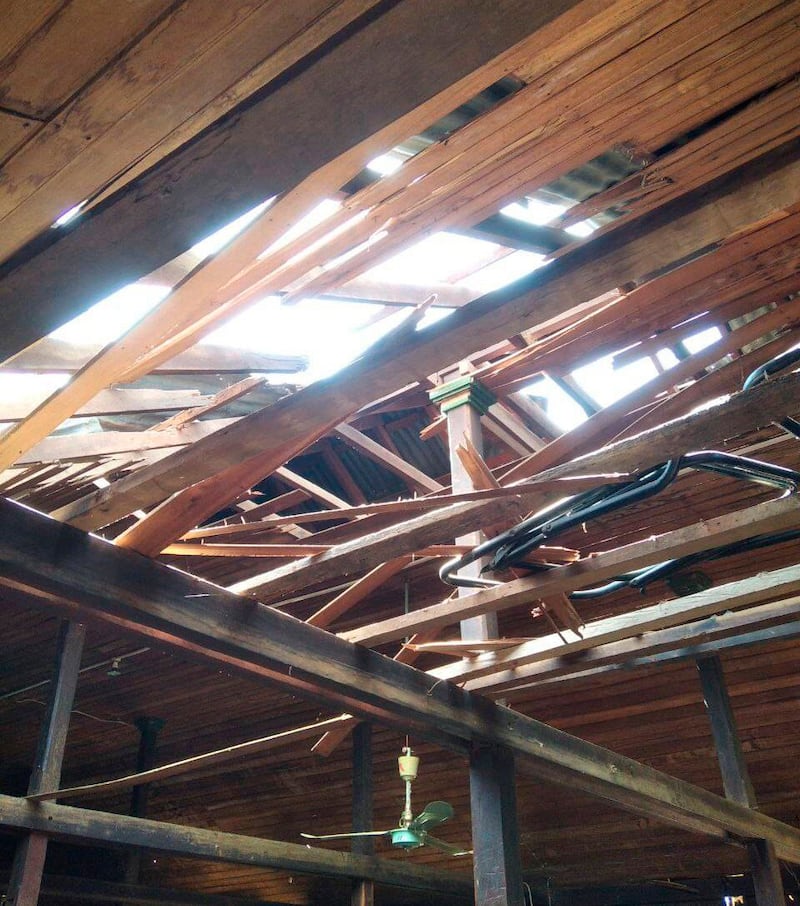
149, 728
495, 836
463, 401
26, 871
764, 865
363, 890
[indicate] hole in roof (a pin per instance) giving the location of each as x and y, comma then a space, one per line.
69, 215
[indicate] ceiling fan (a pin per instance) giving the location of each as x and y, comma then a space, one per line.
411, 831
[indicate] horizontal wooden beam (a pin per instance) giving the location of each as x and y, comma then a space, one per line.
107, 402
82, 825
752, 626
66, 569
506, 666
97, 444
57, 356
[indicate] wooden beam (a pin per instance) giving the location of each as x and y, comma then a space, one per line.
610, 421
495, 834
220, 174
187, 765
741, 413
732, 765
363, 893
108, 402
218, 401
146, 598
751, 626
409, 507
764, 866
82, 825
323, 495
52, 356
97, 444
235, 461
28, 865
760, 519
356, 593
389, 460
658, 240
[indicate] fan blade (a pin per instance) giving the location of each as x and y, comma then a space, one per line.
345, 836
433, 814
446, 847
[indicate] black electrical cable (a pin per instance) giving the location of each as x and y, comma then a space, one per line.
510, 548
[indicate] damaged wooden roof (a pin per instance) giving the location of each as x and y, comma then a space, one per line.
665, 136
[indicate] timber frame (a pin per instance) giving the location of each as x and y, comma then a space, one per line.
240, 569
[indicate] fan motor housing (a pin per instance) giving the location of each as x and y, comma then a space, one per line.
405, 839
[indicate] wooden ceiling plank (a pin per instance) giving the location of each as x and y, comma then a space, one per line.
102, 580
191, 67
44, 71
743, 412
761, 519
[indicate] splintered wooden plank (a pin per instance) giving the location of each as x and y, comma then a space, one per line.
93, 445
218, 401
108, 402
188, 765
356, 593
610, 421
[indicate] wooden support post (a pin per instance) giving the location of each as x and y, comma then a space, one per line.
363, 888
149, 728
26, 872
764, 865
463, 401
495, 836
